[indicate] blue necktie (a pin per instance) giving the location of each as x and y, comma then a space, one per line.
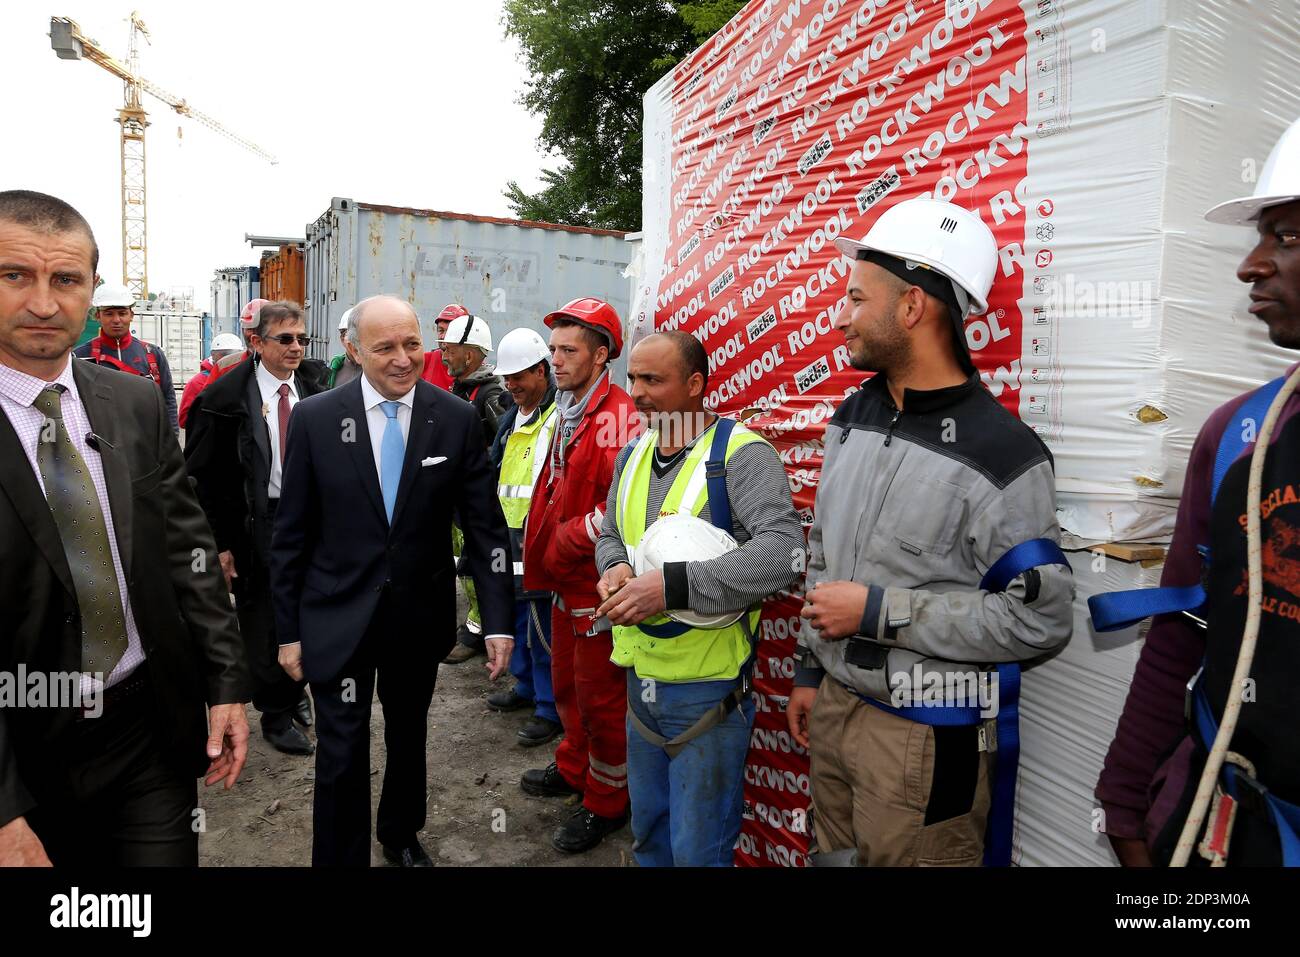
392, 452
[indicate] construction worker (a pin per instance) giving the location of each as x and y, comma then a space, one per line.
434, 372
248, 319
595, 419
116, 348
522, 442
934, 565
227, 343
683, 495
234, 453
1155, 765
342, 368
465, 345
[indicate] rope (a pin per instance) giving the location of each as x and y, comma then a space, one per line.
1254, 607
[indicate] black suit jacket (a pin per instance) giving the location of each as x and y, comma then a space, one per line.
228, 454
179, 600
333, 552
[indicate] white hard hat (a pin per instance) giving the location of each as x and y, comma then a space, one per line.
468, 331
520, 349
946, 238
1279, 183
110, 296
681, 537
343, 320
227, 342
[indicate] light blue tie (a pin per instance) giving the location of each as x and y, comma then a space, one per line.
392, 452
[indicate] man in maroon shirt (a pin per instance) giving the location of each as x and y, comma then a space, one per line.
1154, 764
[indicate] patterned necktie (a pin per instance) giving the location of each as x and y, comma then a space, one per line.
74, 505
392, 452
283, 413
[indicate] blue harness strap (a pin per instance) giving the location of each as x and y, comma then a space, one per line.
715, 476
1121, 609
1000, 829
1283, 815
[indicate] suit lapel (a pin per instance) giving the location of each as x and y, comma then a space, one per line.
256, 421
359, 449
422, 417
24, 492
97, 399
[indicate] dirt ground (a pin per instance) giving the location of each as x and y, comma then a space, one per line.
478, 815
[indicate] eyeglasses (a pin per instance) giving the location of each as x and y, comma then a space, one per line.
288, 339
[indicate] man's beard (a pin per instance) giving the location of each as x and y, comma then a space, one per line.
891, 351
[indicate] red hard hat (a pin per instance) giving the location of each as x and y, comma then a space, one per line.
248, 318
596, 314
451, 311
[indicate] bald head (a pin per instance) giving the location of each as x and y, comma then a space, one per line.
384, 339
387, 307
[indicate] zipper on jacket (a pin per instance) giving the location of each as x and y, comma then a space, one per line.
889, 432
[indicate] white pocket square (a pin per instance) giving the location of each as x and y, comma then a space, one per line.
435, 460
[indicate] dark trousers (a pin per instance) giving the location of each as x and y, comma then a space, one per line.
275, 694
120, 805
401, 666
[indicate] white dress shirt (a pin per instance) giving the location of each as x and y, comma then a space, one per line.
377, 422
17, 393
269, 386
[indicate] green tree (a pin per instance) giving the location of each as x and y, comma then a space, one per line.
591, 62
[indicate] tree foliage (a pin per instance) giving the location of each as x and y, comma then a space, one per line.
591, 62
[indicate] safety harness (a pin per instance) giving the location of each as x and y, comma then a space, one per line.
715, 472
1121, 609
97, 354
1000, 828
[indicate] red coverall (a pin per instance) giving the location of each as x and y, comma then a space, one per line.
564, 521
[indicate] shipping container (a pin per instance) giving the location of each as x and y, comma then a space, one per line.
1091, 138
509, 272
282, 274
232, 289
184, 337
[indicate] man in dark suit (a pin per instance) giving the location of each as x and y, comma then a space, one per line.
108, 572
234, 451
363, 580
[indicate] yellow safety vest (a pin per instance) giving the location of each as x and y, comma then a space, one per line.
521, 463
701, 654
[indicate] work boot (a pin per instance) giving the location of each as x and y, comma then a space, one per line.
585, 830
460, 653
547, 782
538, 731
510, 700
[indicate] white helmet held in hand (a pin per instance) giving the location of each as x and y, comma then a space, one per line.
520, 349
1279, 183
943, 237
681, 537
468, 331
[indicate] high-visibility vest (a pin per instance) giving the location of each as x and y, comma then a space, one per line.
521, 463
700, 654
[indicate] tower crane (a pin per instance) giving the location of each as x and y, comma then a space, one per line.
70, 43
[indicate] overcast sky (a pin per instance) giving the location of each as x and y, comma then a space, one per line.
381, 101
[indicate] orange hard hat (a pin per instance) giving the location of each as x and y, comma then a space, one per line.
451, 311
248, 318
594, 314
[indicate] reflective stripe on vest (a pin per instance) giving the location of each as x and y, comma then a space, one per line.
700, 654
521, 464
